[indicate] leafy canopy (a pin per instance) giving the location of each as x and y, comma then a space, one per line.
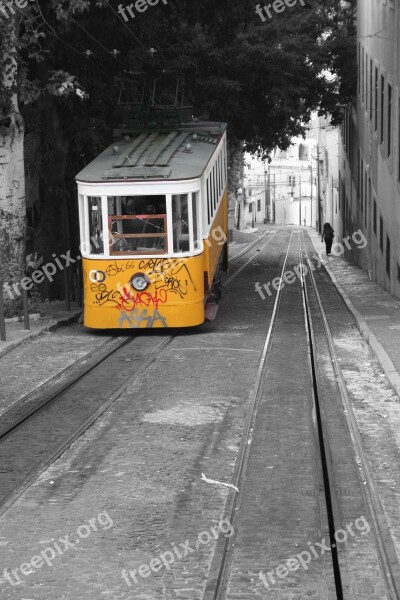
263, 78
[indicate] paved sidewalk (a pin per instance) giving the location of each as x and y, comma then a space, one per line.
377, 312
52, 315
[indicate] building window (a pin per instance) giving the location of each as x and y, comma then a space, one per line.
303, 152
381, 233
374, 219
292, 180
366, 82
250, 208
376, 98
382, 105
362, 75
370, 89
389, 120
388, 255
258, 205
398, 145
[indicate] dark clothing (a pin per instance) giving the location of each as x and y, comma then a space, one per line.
327, 235
328, 245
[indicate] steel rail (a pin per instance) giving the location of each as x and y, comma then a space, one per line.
70, 439
236, 273
249, 247
387, 555
217, 578
34, 396
333, 514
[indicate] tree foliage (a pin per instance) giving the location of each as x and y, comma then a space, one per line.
263, 78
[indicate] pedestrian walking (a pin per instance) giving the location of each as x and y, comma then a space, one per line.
327, 236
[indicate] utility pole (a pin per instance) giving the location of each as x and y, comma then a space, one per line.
300, 198
318, 179
311, 189
239, 200
267, 193
273, 204
318, 189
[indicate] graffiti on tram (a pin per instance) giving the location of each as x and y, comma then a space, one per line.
137, 319
125, 299
169, 277
169, 273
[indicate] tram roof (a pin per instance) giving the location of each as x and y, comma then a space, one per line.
156, 155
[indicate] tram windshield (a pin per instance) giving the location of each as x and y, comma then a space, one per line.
137, 224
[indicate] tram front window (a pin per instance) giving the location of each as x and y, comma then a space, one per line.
95, 225
137, 224
180, 220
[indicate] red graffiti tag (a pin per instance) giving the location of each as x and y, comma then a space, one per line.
129, 301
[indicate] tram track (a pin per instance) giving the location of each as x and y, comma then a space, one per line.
345, 493
217, 580
249, 246
51, 422
42, 410
322, 435
388, 558
249, 260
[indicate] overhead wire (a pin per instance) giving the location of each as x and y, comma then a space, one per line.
110, 52
131, 33
85, 53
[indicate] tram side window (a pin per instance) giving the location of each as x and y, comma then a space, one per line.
219, 175
95, 225
196, 224
209, 212
180, 222
137, 224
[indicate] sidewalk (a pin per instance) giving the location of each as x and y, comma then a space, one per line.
377, 313
52, 316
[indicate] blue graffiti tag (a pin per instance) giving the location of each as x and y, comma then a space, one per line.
135, 319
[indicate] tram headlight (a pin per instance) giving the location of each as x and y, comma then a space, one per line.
140, 281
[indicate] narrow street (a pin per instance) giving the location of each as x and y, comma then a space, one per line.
135, 508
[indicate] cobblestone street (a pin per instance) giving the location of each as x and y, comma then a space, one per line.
135, 508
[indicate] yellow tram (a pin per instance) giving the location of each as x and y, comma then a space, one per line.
153, 212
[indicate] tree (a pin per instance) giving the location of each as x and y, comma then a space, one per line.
64, 63
12, 179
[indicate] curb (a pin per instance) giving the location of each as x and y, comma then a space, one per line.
377, 348
50, 326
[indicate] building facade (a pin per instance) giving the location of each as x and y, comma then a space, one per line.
328, 175
283, 191
292, 182
369, 149
255, 207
